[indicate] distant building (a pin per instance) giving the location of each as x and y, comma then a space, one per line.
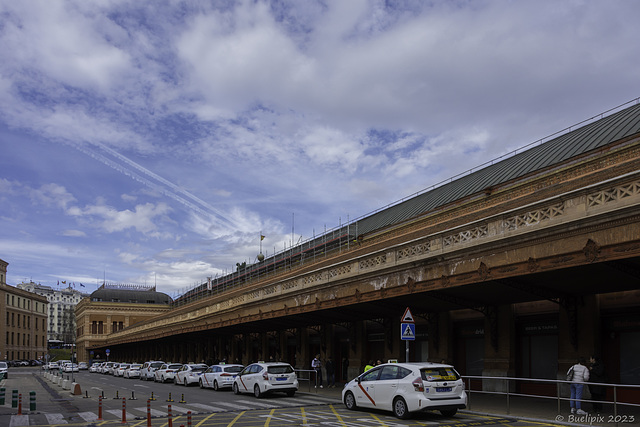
25, 318
111, 308
62, 304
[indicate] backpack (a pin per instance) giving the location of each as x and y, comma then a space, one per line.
570, 374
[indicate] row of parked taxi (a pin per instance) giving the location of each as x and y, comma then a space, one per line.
257, 378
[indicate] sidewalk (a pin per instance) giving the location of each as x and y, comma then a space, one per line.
533, 409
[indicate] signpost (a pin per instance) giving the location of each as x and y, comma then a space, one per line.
407, 330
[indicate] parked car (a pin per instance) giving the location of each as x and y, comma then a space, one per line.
106, 367
53, 366
405, 388
133, 371
95, 367
262, 378
149, 368
119, 371
70, 367
83, 366
112, 369
189, 373
4, 370
220, 376
166, 372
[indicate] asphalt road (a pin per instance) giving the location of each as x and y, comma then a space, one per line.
57, 407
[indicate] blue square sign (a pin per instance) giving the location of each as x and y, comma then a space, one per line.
408, 331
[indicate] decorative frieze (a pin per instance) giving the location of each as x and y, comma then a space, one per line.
373, 261
466, 236
413, 250
338, 271
534, 217
614, 194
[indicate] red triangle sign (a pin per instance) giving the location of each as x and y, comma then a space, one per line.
407, 317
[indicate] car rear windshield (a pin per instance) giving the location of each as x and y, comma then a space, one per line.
233, 369
176, 366
199, 369
280, 369
3, 364
156, 365
439, 374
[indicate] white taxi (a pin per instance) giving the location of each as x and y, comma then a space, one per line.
404, 388
166, 372
261, 378
220, 376
189, 373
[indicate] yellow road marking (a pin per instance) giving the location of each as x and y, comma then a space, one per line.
266, 423
236, 418
304, 415
333, 409
205, 419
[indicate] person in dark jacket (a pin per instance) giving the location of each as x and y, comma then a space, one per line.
331, 372
597, 375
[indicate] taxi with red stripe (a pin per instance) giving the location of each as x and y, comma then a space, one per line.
406, 388
264, 378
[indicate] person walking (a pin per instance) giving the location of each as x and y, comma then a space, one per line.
331, 372
578, 374
597, 375
316, 364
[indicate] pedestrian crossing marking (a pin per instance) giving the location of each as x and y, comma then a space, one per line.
207, 407
55, 419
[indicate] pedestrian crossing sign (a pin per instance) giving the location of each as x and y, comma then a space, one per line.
408, 331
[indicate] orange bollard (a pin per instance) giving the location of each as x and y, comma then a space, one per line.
20, 404
188, 418
170, 416
124, 410
99, 408
148, 413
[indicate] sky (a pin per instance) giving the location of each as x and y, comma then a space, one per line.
154, 142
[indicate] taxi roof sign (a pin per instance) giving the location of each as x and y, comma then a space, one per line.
407, 317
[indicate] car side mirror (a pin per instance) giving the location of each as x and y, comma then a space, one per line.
359, 380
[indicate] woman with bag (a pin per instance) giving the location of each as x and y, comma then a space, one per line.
578, 374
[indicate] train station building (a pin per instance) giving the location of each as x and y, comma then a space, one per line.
514, 269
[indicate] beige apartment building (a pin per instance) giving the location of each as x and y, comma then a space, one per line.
24, 318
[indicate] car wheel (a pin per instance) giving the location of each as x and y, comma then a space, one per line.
163, 380
291, 393
236, 390
256, 390
350, 401
215, 385
449, 412
201, 385
400, 409
175, 380
186, 384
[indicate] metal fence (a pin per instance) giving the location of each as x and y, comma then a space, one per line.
509, 389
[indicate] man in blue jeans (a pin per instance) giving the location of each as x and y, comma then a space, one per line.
580, 376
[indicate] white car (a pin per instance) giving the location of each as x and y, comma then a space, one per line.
106, 367
4, 370
219, 376
149, 368
53, 366
70, 367
119, 371
133, 371
166, 372
83, 366
95, 367
404, 388
261, 378
189, 373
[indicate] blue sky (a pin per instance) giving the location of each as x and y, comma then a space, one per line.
153, 141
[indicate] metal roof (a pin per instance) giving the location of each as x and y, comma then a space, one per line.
590, 137
130, 296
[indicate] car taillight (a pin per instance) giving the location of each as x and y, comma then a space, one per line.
168, 371
265, 376
225, 375
417, 384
